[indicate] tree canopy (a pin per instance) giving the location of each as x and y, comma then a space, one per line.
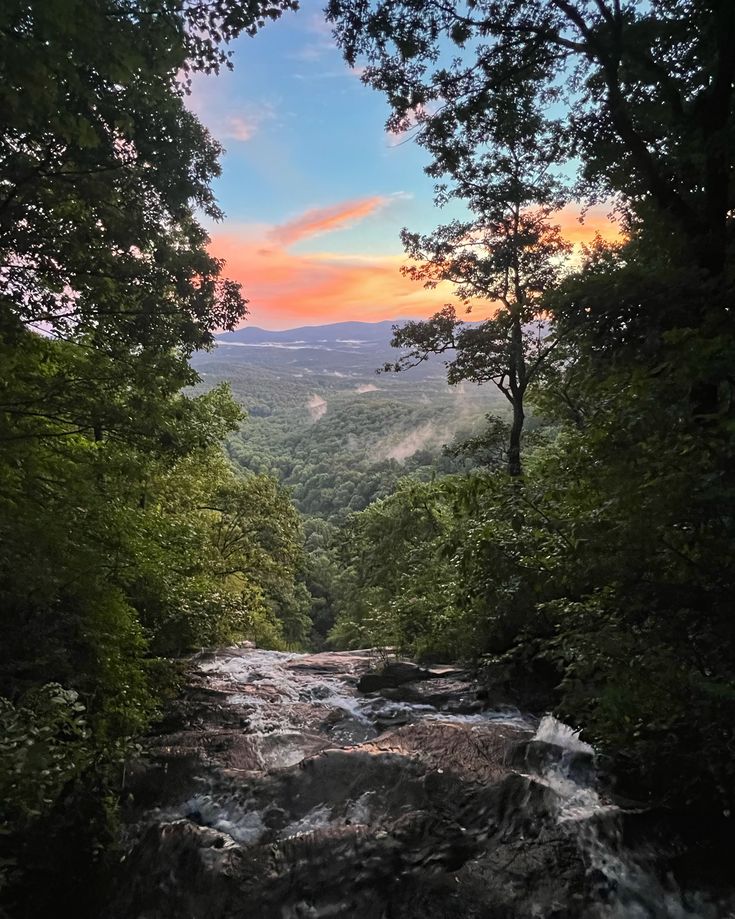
125, 536
605, 579
622, 76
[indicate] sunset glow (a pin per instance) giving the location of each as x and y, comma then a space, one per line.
316, 190
287, 288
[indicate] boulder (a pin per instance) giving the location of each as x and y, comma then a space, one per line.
391, 675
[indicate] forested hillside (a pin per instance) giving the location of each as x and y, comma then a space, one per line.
339, 436
596, 571
126, 537
329, 427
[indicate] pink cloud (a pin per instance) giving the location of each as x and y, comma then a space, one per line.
324, 219
215, 112
288, 288
237, 127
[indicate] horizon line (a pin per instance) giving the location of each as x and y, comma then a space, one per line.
316, 325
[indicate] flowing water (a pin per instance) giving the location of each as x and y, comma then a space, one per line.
277, 789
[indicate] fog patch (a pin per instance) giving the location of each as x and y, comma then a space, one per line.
317, 407
423, 436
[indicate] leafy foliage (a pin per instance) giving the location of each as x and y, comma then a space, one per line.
106, 290
605, 574
643, 91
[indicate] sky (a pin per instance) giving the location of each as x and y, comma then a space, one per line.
314, 189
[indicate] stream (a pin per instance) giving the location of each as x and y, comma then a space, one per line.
289, 785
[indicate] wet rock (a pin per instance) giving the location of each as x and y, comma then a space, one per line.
392, 674
337, 663
473, 751
275, 791
538, 756
445, 693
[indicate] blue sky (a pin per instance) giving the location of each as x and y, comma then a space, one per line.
301, 131
314, 189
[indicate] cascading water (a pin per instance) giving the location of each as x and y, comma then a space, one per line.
628, 885
278, 790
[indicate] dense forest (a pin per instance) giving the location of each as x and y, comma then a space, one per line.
579, 548
339, 437
127, 538
340, 461
599, 562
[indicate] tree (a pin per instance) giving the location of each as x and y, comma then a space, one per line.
627, 75
510, 254
106, 289
612, 566
395, 588
101, 169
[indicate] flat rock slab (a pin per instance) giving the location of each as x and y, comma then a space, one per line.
392, 674
345, 663
481, 753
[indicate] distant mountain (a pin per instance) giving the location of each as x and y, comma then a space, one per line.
343, 349
331, 428
352, 350
345, 333
322, 419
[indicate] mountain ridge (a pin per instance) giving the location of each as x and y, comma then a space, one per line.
313, 334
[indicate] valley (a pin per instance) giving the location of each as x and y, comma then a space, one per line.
328, 426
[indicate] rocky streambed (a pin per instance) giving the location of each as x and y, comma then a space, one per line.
286, 785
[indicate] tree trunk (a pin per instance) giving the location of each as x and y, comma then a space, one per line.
514, 446
517, 386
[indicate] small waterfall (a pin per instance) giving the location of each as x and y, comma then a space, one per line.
627, 884
553, 731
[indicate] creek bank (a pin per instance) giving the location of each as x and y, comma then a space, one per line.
276, 788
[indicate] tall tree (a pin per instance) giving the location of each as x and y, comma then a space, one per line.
106, 289
509, 255
627, 74
102, 167
623, 532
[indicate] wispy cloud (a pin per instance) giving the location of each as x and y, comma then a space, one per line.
320, 43
325, 219
237, 127
318, 25
225, 120
580, 227
288, 288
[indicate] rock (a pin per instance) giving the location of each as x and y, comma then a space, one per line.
538, 756
268, 792
445, 693
343, 664
479, 753
393, 673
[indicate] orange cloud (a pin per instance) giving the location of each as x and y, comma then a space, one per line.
580, 228
288, 288
323, 219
